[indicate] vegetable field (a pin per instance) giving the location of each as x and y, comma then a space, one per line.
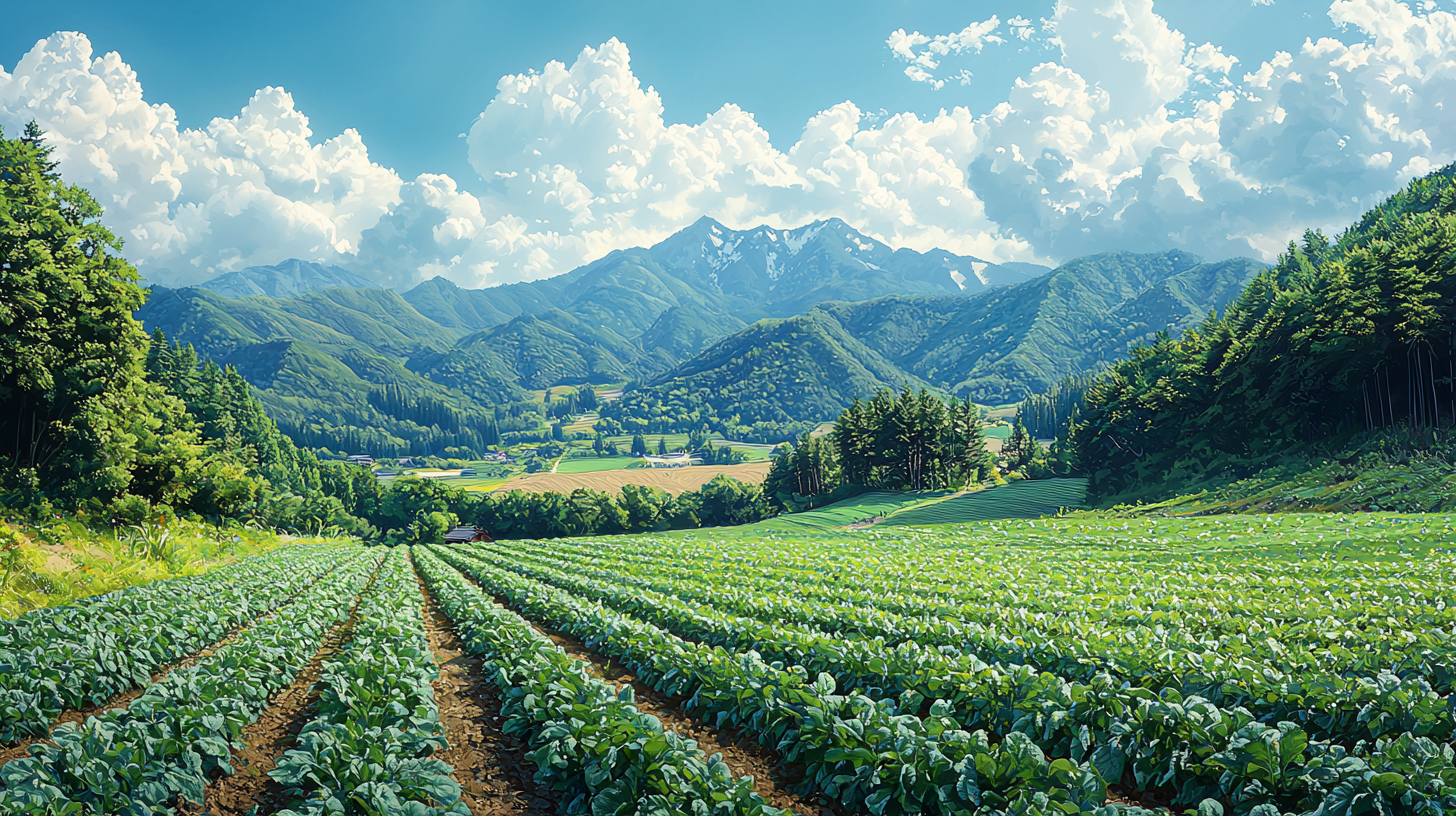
1243, 665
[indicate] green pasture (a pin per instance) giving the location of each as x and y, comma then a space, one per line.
594, 464
1025, 499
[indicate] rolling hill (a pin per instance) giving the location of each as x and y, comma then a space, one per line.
292, 277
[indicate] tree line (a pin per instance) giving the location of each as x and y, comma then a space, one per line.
423, 510
1338, 340
1049, 415
904, 441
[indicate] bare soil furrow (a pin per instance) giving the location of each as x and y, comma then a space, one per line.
494, 774
16, 750
772, 780
249, 789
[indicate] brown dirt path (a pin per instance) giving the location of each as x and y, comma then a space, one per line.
743, 754
16, 750
494, 774
249, 788
746, 756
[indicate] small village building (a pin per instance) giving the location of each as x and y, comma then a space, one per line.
466, 535
360, 459
672, 460
470, 471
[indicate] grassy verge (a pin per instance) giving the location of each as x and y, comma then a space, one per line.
63, 561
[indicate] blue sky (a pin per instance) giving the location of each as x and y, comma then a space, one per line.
411, 77
217, 138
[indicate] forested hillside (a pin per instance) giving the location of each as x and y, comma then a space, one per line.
672, 320
772, 381
1338, 339
995, 348
100, 418
321, 362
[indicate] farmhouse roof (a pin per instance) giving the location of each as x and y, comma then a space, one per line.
461, 535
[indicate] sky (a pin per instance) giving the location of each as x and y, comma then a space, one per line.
493, 142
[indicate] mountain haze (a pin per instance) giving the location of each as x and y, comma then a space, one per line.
292, 277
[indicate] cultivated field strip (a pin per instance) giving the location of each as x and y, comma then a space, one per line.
1326, 737
1083, 657
73, 657
376, 723
859, 752
1401, 622
998, 696
1113, 586
592, 745
182, 730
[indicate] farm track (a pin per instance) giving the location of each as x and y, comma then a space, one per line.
772, 781
123, 699
276, 730
492, 769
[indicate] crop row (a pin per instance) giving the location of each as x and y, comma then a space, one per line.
1145, 657
72, 657
368, 749
988, 570
183, 728
1188, 746
1147, 741
1324, 609
1343, 710
590, 743
861, 752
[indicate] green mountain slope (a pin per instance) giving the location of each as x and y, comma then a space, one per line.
675, 316
287, 279
326, 388
777, 377
1010, 342
1339, 342
533, 351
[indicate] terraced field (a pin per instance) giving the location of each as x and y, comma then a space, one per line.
1245, 665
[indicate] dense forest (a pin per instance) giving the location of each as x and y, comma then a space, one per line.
422, 510
905, 441
1338, 341
1050, 414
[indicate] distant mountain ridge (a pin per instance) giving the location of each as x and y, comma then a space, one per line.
749, 274
996, 348
708, 318
287, 279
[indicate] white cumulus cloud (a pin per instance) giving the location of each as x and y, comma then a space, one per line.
251, 189
1126, 136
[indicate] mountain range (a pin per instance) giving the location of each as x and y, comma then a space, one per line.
711, 320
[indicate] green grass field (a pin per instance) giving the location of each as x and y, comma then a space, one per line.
851, 510
479, 484
1028, 499
594, 464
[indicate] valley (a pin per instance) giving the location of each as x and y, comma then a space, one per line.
743, 523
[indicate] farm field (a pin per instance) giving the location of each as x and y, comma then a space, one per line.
1016, 500
852, 510
673, 480
895, 670
594, 464
1024, 499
